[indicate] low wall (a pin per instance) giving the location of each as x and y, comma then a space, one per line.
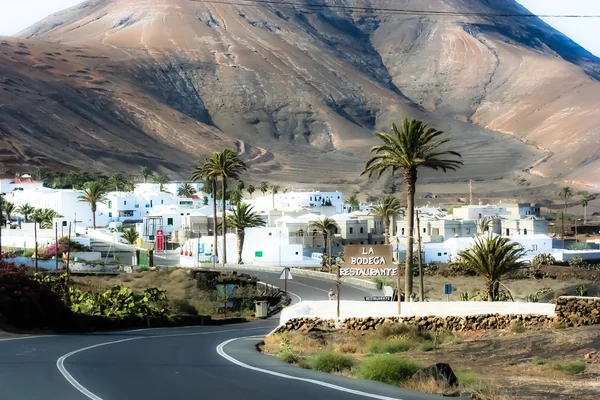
87, 255
578, 311
566, 255
362, 309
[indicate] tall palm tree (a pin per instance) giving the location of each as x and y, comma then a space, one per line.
26, 211
241, 186
94, 192
205, 171
492, 257
353, 203
235, 197
160, 180
250, 189
186, 190
483, 225
146, 173
565, 193
585, 201
264, 187
8, 208
387, 209
414, 146
243, 217
326, 226
118, 182
274, 190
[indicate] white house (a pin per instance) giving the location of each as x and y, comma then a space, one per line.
297, 200
9, 183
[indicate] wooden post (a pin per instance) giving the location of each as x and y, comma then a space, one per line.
419, 256
68, 253
56, 244
338, 284
35, 245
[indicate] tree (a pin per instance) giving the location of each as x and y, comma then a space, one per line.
94, 192
492, 257
264, 187
131, 235
250, 189
483, 225
274, 190
241, 186
585, 201
26, 211
146, 173
243, 217
40, 175
235, 197
565, 193
8, 208
160, 180
186, 190
325, 225
353, 203
387, 209
118, 182
205, 171
414, 146
45, 216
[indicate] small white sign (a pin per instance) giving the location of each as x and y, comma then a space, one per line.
286, 272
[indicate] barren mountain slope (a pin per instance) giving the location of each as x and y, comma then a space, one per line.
312, 84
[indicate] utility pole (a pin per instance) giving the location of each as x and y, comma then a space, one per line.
470, 192
338, 283
35, 244
56, 244
68, 253
421, 285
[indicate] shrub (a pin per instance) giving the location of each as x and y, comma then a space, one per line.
531, 298
426, 346
582, 290
464, 296
577, 262
396, 329
539, 361
387, 368
330, 362
380, 282
347, 348
559, 325
517, 327
287, 356
27, 253
543, 259
570, 367
389, 346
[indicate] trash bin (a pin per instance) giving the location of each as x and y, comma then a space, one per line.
262, 309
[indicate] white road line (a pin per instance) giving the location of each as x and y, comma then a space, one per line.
221, 352
26, 337
294, 294
60, 363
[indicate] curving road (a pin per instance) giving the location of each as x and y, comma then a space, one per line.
174, 363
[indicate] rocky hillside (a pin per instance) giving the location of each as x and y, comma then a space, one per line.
299, 88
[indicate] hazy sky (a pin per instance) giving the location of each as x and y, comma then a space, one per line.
16, 15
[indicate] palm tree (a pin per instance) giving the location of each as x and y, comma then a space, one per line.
241, 186
243, 217
39, 175
483, 225
565, 193
416, 145
250, 189
325, 225
131, 235
186, 190
45, 216
492, 257
353, 203
26, 211
235, 197
264, 187
204, 171
8, 208
146, 173
387, 209
585, 201
118, 182
274, 190
94, 192
160, 180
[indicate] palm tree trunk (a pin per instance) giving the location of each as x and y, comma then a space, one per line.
94, 218
240, 243
386, 231
324, 243
585, 215
420, 261
214, 196
224, 222
490, 289
273, 201
411, 180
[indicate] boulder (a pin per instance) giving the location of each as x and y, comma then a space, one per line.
441, 372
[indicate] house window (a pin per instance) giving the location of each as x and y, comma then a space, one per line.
424, 230
534, 247
124, 202
337, 244
170, 221
110, 204
147, 205
507, 232
445, 253
270, 233
362, 243
402, 231
351, 230
361, 230
296, 253
162, 202
109, 216
525, 231
137, 206
468, 231
439, 254
480, 215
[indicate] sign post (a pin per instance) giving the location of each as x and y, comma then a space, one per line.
448, 290
160, 240
285, 275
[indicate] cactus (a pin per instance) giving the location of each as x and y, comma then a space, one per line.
582, 290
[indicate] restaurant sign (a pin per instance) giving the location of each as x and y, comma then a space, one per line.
375, 260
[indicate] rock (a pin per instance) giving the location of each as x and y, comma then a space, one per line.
441, 372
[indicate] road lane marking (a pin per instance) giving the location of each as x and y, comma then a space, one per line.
27, 337
221, 352
60, 363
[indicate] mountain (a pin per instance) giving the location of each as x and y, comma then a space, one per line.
299, 87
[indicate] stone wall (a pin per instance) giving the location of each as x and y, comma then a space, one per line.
571, 311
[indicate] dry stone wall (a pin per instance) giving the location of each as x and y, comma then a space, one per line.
571, 311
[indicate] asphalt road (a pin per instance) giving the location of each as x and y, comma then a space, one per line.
206, 362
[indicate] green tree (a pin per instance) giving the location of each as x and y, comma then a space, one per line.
483, 225
414, 146
118, 182
44, 217
206, 172
94, 192
131, 235
326, 226
26, 211
8, 208
242, 217
160, 180
264, 187
387, 209
274, 190
564, 193
250, 189
235, 197
241, 186
186, 190
492, 257
585, 201
353, 203
40, 175
146, 173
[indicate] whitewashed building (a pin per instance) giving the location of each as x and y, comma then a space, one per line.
9, 183
309, 200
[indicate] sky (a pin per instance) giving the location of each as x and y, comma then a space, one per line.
16, 15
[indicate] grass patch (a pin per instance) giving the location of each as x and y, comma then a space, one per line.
330, 362
387, 368
467, 379
517, 327
390, 346
346, 348
569, 367
539, 361
559, 325
426, 346
287, 356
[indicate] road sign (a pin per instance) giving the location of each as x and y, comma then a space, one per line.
160, 240
378, 298
448, 288
286, 274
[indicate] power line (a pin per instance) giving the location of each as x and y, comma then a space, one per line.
396, 11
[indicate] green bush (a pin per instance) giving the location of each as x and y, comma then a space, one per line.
387, 368
582, 290
467, 379
517, 327
27, 253
389, 346
426, 346
380, 282
330, 362
287, 356
389, 330
570, 367
559, 325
